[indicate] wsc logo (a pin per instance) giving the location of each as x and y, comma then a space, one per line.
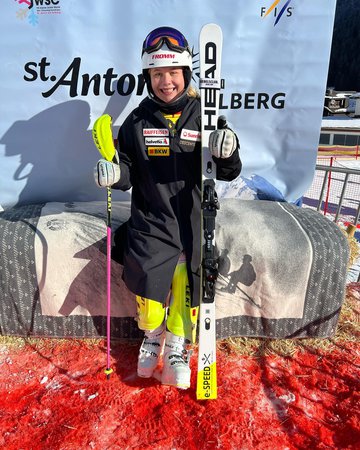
285, 10
33, 8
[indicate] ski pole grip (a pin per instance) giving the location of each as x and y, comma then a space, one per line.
222, 122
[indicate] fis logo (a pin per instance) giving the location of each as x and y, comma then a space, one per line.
278, 12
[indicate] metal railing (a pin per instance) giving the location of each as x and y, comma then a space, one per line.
335, 192
326, 184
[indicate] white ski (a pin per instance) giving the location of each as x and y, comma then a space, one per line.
210, 47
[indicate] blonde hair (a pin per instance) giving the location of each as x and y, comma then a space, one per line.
193, 92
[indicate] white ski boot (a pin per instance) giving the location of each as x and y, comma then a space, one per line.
150, 351
176, 370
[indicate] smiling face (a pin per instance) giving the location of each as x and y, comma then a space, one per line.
167, 82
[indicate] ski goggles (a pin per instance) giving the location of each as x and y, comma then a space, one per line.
165, 35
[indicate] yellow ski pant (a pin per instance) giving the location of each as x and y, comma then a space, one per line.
181, 318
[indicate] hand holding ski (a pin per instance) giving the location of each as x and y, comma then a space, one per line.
223, 142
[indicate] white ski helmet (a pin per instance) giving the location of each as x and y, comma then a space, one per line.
166, 47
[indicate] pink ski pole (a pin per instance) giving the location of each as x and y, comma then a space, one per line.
103, 139
108, 369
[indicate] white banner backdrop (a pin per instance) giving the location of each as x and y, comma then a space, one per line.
65, 63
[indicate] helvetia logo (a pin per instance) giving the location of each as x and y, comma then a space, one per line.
284, 10
31, 9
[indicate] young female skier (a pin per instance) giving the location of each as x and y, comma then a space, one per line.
159, 153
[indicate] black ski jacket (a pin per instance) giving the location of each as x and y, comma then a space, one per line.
162, 165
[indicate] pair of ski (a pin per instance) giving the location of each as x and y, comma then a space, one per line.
210, 48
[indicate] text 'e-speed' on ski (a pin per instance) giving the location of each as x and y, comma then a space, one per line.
210, 48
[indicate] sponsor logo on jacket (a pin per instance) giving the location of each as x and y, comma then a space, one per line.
156, 141
190, 135
155, 132
158, 151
